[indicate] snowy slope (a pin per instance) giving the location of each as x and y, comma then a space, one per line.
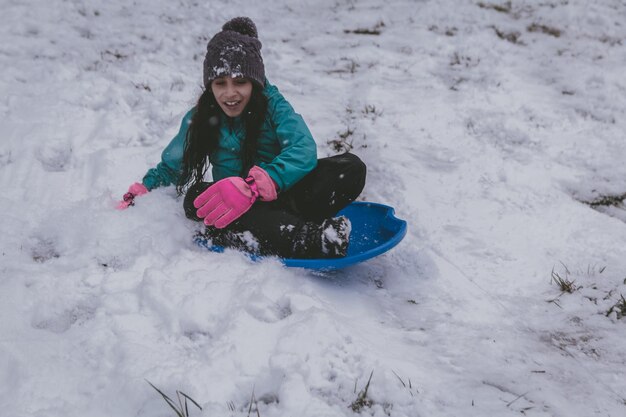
488, 126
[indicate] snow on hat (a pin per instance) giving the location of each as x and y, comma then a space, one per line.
235, 51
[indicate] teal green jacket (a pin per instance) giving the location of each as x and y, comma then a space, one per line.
286, 149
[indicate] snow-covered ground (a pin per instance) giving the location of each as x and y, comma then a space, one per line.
486, 125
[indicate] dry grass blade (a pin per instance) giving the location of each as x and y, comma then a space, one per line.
410, 385
167, 399
362, 400
183, 407
564, 283
187, 397
401, 381
256, 405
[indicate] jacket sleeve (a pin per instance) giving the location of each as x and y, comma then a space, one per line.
298, 154
167, 171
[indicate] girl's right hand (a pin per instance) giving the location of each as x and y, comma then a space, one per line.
129, 198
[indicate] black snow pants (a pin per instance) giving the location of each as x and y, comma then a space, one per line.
289, 226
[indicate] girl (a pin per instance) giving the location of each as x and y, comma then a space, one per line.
270, 195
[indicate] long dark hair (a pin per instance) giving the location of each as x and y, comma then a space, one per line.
204, 130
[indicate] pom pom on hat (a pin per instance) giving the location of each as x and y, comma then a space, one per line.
235, 52
243, 25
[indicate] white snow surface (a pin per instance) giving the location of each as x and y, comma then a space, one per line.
485, 124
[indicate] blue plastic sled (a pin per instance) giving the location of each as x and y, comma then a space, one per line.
375, 230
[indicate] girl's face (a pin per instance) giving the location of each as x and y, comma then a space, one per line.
232, 94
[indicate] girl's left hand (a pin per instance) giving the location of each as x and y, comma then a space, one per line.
228, 199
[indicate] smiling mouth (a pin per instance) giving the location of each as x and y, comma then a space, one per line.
232, 103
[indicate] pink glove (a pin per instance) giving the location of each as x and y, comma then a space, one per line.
229, 198
265, 184
129, 198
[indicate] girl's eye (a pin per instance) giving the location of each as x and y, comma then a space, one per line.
240, 81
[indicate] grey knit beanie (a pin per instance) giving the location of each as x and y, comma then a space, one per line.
235, 51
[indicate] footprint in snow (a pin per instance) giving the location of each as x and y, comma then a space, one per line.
58, 320
55, 157
43, 249
268, 311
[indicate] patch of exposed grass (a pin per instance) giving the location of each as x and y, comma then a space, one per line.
344, 142
448, 31
513, 37
564, 283
456, 82
143, 86
536, 27
463, 60
115, 54
506, 7
611, 41
615, 200
618, 308
371, 112
349, 68
371, 109
362, 399
376, 30
600, 289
